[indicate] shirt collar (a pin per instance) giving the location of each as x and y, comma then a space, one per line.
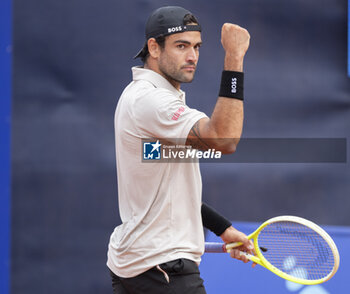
140, 73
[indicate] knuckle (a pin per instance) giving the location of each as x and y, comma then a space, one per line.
226, 26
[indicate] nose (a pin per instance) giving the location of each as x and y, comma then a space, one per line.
192, 55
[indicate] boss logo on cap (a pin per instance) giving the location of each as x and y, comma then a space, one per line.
175, 29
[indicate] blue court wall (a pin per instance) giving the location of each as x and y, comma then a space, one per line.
5, 125
71, 61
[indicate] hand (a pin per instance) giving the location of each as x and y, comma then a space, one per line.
235, 41
231, 235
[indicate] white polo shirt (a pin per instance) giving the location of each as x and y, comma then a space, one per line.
159, 203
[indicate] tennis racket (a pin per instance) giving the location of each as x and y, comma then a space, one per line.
293, 248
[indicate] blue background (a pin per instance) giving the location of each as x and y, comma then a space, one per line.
71, 61
5, 119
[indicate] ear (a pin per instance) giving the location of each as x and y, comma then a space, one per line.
153, 48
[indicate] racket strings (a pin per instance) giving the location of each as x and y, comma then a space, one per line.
296, 250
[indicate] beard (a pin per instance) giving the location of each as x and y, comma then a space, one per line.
174, 72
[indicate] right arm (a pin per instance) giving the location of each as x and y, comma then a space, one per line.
222, 131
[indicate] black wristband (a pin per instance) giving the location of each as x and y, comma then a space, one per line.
213, 221
232, 84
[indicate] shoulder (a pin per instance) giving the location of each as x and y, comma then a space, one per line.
143, 89
155, 98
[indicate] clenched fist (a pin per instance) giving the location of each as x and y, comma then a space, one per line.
235, 41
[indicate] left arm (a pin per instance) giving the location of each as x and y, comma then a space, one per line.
222, 227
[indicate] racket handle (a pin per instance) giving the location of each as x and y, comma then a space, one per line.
220, 247
232, 245
215, 247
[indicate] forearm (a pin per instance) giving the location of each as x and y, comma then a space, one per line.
214, 221
224, 128
226, 121
227, 117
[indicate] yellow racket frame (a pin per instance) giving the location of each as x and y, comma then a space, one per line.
261, 260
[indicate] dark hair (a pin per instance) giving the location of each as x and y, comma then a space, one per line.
189, 18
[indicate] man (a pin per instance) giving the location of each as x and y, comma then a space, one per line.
158, 246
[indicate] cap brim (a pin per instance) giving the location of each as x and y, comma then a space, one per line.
138, 54
143, 51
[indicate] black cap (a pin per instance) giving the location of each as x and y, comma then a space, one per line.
165, 21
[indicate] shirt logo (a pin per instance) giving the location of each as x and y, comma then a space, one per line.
151, 150
178, 113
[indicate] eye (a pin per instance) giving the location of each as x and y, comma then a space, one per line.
181, 46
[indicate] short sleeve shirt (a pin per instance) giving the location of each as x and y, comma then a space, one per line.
159, 203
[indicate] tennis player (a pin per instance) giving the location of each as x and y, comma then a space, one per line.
158, 246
